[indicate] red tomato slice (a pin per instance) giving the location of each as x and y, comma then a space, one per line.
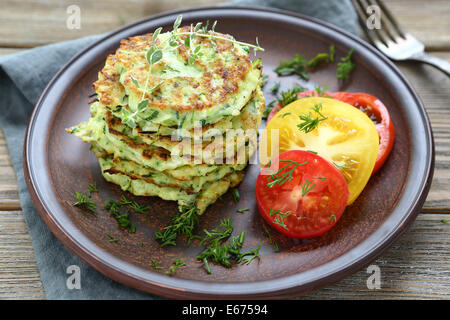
309, 203
373, 107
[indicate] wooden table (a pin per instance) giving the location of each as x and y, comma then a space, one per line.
416, 267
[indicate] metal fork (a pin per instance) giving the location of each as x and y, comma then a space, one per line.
390, 38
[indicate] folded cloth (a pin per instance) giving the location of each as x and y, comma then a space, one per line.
23, 77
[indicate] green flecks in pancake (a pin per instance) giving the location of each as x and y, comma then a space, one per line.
208, 195
157, 154
162, 179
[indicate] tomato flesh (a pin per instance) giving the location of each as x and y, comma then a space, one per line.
308, 204
378, 112
375, 110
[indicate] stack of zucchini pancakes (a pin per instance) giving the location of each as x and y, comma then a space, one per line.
157, 96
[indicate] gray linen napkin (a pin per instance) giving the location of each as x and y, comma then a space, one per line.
23, 77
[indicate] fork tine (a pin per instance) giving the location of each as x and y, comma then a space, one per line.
387, 28
363, 16
390, 18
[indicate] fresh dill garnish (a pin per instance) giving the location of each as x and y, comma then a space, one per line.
139, 208
249, 256
236, 195
345, 67
332, 219
445, 221
280, 216
307, 187
177, 263
272, 242
296, 65
183, 223
85, 202
284, 114
320, 178
92, 188
243, 210
284, 99
155, 265
218, 252
308, 123
220, 233
321, 90
290, 95
111, 238
322, 57
122, 218
341, 167
280, 177
275, 88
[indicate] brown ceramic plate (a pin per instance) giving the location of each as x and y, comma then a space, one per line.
58, 164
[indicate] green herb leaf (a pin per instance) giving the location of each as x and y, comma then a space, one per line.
182, 223
85, 202
296, 66
308, 123
307, 187
280, 177
236, 195
345, 67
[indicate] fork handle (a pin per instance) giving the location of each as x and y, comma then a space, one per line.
439, 63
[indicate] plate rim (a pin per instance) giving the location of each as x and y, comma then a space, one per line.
252, 289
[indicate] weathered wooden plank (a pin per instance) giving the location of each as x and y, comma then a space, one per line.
9, 197
433, 86
19, 274
429, 21
48, 22
416, 267
8, 51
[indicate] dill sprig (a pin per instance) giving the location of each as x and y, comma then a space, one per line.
307, 187
111, 238
236, 195
285, 98
332, 219
85, 202
322, 58
308, 123
275, 88
155, 265
216, 251
92, 188
271, 240
138, 208
220, 233
280, 216
297, 65
341, 167
123, 218
183, 223
345, 67
177, 263
281, 177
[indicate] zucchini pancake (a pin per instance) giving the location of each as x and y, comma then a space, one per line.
166, 103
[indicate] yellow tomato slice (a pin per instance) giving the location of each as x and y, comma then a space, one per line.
347, 138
